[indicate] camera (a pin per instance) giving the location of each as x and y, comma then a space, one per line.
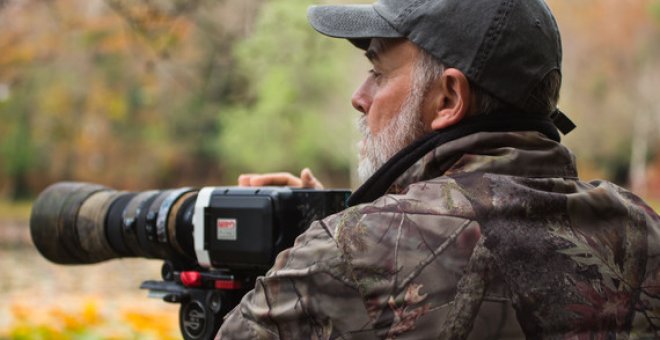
214, 241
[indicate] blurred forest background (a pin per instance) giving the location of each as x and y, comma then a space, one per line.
162, 93
142, 94
147, 94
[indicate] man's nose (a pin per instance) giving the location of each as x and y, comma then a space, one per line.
361, 98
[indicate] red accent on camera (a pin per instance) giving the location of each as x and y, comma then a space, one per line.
191, 279
228, 284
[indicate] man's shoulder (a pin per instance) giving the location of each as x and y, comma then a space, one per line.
426, 215
440, 196
607, 192
397, 232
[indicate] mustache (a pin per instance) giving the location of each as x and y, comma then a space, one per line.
363, 126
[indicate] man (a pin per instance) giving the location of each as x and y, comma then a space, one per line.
472, 221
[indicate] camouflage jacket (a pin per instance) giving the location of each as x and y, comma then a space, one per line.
490, 235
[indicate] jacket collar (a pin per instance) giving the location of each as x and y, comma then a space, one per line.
510, 144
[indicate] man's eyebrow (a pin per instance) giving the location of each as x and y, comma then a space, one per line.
371, 54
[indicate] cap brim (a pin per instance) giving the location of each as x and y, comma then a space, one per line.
357, 23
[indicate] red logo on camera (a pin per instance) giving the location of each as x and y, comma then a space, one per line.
226, 229
226, 223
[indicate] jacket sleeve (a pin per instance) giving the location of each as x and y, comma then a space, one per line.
383, 270
301, 297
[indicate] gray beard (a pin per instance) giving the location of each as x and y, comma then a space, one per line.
375, 150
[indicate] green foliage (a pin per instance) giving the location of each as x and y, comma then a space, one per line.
16, 143
287, 120
17, 147
128, 93
122, 93
655, 11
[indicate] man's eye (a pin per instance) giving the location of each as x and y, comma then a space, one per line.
374, 73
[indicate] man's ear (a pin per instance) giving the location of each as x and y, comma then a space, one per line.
452, 103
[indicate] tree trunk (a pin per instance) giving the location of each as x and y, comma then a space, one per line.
639, 150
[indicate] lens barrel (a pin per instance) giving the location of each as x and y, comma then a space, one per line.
82, 223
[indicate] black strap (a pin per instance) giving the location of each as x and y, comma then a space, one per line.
378, 184
562, 122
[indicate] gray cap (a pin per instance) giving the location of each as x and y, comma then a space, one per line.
504, 46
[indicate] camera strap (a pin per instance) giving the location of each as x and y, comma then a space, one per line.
378, 184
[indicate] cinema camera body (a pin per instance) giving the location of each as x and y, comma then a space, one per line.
215, 241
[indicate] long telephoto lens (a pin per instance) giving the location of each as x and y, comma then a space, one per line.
81, 223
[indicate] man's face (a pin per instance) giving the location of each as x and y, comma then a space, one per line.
391, 104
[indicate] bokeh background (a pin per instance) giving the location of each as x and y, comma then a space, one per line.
146, 94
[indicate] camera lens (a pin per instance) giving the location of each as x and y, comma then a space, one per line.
81, 223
